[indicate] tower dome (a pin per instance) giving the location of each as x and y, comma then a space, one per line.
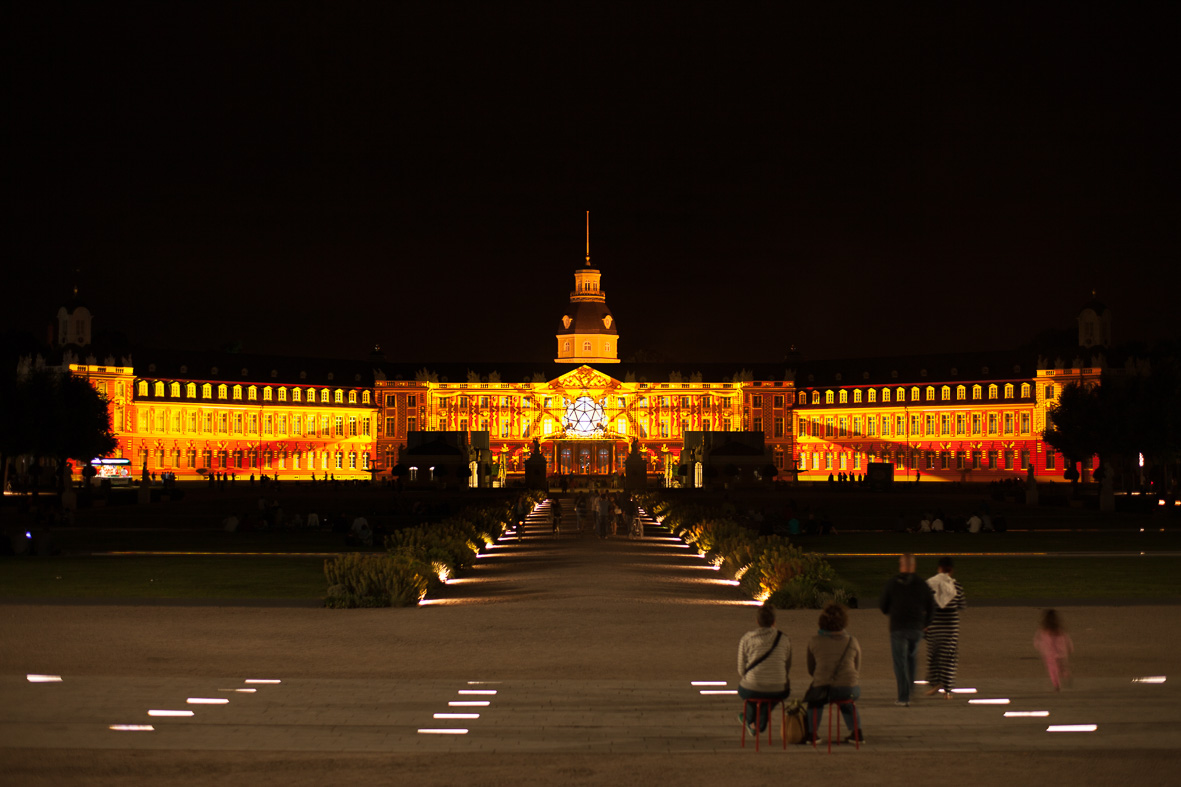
587, 332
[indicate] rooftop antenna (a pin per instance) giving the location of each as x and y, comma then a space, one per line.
588, 239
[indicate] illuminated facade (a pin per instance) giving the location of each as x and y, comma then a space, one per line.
967, 417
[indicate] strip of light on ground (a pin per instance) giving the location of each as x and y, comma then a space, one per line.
484, 682
468, 703
242, 691
457, 715
171, 713
477, 691
206, 701
920, 683
443, 731
707, 683
262, 680
44, 678
1151, 679
1026, 714
1072, 728
132, 728
988, 702
715, 691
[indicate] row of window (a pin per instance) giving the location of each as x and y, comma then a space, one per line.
222, 422
899, 394
930, 425
224, 391
924, 460
527, 402
250, 460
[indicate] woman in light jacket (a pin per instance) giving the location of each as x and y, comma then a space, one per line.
834, 659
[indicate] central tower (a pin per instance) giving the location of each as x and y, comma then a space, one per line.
588, 333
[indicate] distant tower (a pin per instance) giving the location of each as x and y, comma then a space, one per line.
1094, 325
73, 323
588, 333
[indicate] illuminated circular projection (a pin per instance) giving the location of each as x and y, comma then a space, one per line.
584, 417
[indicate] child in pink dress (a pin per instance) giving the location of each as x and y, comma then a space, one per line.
1054, 644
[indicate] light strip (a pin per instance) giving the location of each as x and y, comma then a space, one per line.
1152, 679
242, 691
707, 683
171, 713
920, 683
1025, 714
484, 682
988, 702
132, 728
44, 678
450, 731
477, 691
206, 701
457, 715
468, 704
728, 691
1072, 728
261, 680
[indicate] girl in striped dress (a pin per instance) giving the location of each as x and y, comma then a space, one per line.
943, 635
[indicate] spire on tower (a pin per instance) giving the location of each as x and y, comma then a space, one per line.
588, 239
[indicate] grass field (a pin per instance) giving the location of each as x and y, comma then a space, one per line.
212, 577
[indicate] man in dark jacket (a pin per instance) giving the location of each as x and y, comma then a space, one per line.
910, 603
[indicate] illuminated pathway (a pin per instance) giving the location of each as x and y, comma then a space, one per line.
591, 647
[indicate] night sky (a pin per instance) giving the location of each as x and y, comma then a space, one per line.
853, 180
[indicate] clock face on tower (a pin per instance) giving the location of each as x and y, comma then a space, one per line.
583, 418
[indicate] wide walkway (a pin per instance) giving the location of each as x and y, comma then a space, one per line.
565, 658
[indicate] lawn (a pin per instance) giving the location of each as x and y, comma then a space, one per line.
212, 577
1035, 541
1078, 578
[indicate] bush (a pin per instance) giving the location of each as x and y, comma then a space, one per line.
366, 580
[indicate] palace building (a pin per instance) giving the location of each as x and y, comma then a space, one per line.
962, 417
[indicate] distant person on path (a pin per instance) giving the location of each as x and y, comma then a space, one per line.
764, 665
834, 659
602, 512
911, 605
943, 635
556, 514
1055, 645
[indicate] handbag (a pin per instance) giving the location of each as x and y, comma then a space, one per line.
818, 695
796, 728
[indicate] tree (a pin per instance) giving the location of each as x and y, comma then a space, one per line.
52, 415
1076, 426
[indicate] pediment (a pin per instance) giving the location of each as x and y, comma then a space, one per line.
585, 378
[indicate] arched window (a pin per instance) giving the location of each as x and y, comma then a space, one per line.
323, 396
222, 391
844, 396
237, 392
586, 347
802, 398
142, 388
252, 393
885, 394
1008, 390
282, 394
873, 395
945, 393
159, 388
930, 393
992, 391
191, 390
961, 392
606, 348
174, 390
266, 393
207, 391
828, 397
565, 347
338, 396
857, 396
364, 397
1024, 390
976, 392
352, 397
296, 395
816, 397
914, 394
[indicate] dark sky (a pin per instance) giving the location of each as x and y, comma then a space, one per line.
854, 180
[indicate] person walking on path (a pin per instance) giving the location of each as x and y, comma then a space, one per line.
1055, 645
943, 635
764, 667
911, 605
834, 660
556, 514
